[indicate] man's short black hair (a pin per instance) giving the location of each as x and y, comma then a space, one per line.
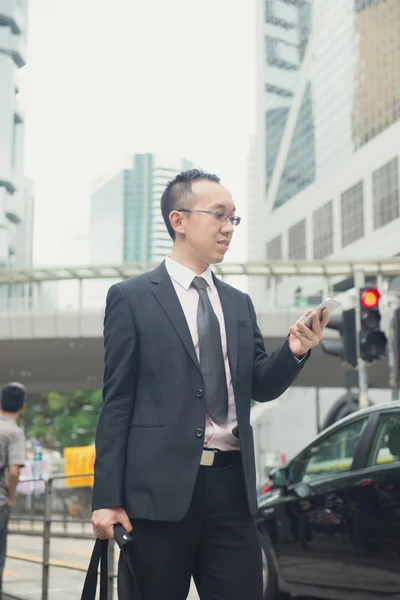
178, 193
13, 397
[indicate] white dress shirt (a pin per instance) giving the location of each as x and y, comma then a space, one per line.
216, 436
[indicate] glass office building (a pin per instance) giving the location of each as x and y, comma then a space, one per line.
13, 23
328, 129
287, 28
16, 191
324, 169
126, 224
331, 85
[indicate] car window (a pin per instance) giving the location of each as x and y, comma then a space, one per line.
386, 446
329, 456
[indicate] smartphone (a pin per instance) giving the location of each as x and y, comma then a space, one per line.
329, 304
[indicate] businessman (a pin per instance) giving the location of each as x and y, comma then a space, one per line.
174, 445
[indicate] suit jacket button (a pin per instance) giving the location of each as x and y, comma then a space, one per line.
199, 432
199, 393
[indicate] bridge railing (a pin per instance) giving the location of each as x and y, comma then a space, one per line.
286, 283
94, 300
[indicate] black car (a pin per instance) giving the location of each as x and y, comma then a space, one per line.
329, 521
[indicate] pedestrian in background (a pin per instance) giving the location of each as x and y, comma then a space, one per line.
174, 447
12, 458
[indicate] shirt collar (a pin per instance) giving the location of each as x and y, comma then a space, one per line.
184, 276
7, 418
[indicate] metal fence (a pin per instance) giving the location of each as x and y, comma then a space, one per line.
49, 508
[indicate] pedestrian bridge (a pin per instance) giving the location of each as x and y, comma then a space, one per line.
60, 350
64, 351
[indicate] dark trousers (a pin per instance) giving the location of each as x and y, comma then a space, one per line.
4, 518
216, 542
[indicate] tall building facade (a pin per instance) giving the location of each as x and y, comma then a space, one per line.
287, 31
328, 147
125, 220
13, 23
324, 168
23, 235
16, 191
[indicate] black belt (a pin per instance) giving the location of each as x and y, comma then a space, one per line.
220, 458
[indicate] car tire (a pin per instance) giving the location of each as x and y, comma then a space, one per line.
271, 589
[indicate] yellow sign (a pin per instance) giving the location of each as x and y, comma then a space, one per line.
79, 461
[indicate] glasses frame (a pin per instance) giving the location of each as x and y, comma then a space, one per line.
221, 216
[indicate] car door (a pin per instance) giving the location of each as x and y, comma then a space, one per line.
312, 541
375, 511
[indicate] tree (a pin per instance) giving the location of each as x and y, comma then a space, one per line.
60, 420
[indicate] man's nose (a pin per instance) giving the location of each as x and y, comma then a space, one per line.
227, 227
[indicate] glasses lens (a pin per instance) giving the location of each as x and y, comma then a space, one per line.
235, 220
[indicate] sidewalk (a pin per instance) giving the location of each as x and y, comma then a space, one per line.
70, 557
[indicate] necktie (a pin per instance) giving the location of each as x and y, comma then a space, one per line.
211, 357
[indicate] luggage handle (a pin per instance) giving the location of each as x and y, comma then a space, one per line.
127, 582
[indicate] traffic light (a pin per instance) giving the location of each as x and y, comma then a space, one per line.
373, 341
346, 347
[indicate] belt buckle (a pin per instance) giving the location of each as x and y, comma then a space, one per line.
207, 458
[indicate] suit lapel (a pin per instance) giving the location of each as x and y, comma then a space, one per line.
165, 293
231, 321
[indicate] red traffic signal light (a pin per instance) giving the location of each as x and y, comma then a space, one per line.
370, 297
373, 341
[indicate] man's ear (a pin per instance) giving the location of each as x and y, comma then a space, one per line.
21, 410
177, 220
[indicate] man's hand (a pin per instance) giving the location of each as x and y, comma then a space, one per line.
104, 519
302, 338
13, 479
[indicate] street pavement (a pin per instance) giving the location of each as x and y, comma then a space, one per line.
23, 579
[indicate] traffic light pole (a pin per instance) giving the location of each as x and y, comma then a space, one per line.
359, 282
391, 308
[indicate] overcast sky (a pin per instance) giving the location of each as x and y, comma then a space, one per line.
106, 77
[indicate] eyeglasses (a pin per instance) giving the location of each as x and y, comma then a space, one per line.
221, 216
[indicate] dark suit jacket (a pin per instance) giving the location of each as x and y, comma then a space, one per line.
150, 433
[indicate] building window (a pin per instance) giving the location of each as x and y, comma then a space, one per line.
282, 54
323, 231
360, 5
297, 241
385, 182
299, 170
280, 13
352, 204
278, 91
274, 248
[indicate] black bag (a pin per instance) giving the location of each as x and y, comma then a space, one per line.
128, 588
